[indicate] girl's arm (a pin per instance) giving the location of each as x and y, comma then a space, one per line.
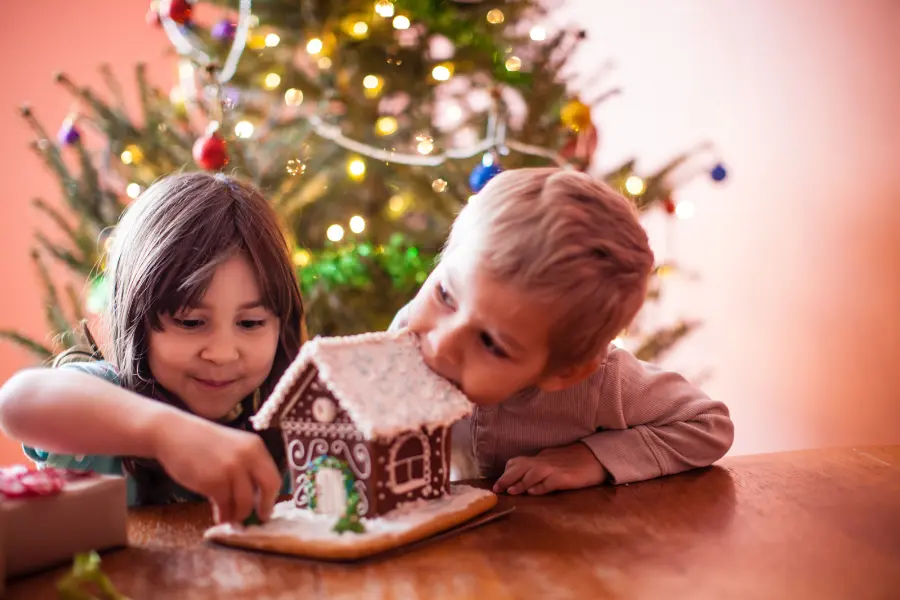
65, 411
69, 412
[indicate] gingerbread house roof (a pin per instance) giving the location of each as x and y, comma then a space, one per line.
380, 379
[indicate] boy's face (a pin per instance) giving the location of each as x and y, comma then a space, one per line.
487, 337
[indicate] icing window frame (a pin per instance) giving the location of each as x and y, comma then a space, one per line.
395, 464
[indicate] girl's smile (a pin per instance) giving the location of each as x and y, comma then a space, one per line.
215, 354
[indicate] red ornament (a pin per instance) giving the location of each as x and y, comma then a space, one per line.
669, 205
580, 147
211, 152
177, 10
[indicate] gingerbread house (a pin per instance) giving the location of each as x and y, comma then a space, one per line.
366, 424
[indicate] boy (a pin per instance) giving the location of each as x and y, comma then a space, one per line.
540, 273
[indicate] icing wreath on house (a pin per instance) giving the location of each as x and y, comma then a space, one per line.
381, 417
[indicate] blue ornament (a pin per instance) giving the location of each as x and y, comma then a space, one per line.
719, 173
68, 133
223, 31
481, 174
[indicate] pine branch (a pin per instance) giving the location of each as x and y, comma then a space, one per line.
658, 344
75, 301
38, 349
49, 153
113, 85
77, 264
90, 191
116, 126
60, 221
52, 307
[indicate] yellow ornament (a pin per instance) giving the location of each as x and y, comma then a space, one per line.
576, 115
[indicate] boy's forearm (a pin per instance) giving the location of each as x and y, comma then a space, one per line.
76, 413
648, 451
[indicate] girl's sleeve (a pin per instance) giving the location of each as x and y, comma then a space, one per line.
107, 465
286, 486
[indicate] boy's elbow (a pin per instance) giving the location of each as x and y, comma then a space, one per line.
14, 402
720, 432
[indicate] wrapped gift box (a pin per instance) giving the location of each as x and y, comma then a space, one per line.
48, 516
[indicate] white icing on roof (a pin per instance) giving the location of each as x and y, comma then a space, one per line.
380, 379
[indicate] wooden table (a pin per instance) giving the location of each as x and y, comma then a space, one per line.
819, 524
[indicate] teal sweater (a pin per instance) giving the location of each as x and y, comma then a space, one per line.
110, 465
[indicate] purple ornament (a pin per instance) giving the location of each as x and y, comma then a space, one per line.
68, 133
223, 31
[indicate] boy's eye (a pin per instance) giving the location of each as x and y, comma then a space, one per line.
443, 295
492, 347
252, 323
188, 323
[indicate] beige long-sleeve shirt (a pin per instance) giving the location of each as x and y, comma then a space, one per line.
639, 421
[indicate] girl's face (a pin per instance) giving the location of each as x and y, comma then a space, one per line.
215, 354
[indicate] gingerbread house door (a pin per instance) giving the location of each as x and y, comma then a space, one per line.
331, 492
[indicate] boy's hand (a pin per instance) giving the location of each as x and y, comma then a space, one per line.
231, 468
566, 468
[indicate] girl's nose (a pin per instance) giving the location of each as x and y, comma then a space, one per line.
220, 348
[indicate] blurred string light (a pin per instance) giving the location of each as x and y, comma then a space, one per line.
302, 257
293, 97
634, 185
386, 126
442, 72
272, 81
314, 46
356, 169
244, 129
357, 224
425, 143
133, 190
384, 8
401, 22
495, 16
272, 40
359, 30
132, 155
335, 233
538, 33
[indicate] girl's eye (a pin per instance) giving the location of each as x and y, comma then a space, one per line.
189, 323
251, 324
492, 346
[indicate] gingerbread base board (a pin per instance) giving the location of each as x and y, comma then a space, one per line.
300, 532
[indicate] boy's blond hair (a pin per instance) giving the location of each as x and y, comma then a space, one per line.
568, 241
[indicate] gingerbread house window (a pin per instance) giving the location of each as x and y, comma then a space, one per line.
408, 464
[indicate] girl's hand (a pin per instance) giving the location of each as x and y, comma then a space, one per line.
232, 468
565, 468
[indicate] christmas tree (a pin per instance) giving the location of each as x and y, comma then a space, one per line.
368, 123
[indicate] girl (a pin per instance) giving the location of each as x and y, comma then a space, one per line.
203, 319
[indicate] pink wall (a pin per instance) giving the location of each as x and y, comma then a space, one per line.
801, 329
800, 254
43, 37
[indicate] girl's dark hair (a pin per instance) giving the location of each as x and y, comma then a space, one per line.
165, 251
